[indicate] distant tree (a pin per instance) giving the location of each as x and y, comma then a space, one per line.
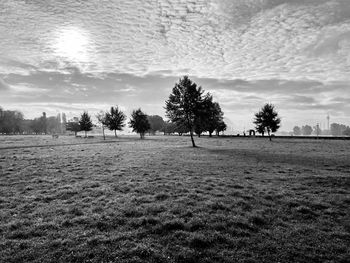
156, 122
181, 128
35, 126
102, 119
172, 127
11, 122
85, 122
346, 132
220, 127
115, 119
296, 130
337, 129
184, 104
306, 130
139, 123
26, 126
74, 126
168, 127
267, 120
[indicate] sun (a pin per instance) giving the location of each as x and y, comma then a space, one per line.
72, 43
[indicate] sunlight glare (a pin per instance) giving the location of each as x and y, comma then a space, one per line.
72, 43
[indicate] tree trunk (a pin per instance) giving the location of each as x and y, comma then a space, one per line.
75, 133
193, 144
268, 132
103, 131
115, 133
210, 134
85, 134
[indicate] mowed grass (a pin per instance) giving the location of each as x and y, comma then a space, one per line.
159, 200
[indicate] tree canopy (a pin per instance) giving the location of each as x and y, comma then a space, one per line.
156, 122
85, 122
267, 120
139, 123
115, 119
184, 104
296, 130
306, 130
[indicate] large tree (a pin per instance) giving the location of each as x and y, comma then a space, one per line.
267, 119
184, 104
115, 119
85, 122
139, 123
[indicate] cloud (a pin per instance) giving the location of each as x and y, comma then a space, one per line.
225, 39
3, 85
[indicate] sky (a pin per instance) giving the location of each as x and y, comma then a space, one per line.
74, 55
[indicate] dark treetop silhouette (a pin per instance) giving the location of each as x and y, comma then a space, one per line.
184, 104
267, 120
139, 123
85, 122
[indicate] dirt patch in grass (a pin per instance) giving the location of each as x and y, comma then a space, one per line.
159, 200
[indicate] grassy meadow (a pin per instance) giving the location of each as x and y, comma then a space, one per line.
160, 200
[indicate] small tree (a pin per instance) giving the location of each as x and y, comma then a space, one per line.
102, 119
139, 123
221, 126
306, 130
184, 104
85, 123
73, 126
267, 120
297, 130
115, 120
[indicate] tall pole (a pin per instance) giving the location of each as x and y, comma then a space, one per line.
328, 121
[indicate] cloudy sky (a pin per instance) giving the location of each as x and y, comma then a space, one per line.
75, 55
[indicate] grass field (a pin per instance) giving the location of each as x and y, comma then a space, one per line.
159, 200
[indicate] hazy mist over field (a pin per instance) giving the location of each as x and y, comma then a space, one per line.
69, 56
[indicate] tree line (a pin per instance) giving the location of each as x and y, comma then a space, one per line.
13, 122
188, 109
336, 129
